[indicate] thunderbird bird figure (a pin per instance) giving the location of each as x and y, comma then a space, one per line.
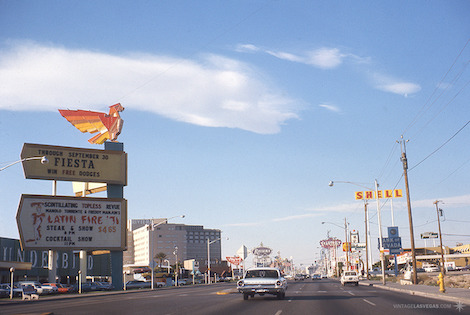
108, 126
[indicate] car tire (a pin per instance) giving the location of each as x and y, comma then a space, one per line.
245, 296
356, 284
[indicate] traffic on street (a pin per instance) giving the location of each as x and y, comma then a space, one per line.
326, 296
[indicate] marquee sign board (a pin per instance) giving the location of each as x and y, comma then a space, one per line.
234, 260
64, 223
330, 243
75, 164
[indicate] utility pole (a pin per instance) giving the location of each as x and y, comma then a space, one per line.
408, 201
347, 243
443, 269
367, 245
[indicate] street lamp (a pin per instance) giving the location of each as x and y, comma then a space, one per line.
382, 256
12, 271
152, 228
175, 252
168, 265
209, 258
43, 159
346, 241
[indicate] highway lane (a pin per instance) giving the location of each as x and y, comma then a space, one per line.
304, 297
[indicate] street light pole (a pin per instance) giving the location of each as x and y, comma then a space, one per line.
151, 229
209, 258
382, 254
367, 243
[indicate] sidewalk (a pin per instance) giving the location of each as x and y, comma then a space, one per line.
451, 294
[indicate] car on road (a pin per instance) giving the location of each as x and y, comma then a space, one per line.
262, 281
299, 277
52, 288
137, 284
316, 276
349, 277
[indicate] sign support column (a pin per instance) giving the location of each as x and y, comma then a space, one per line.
116, 191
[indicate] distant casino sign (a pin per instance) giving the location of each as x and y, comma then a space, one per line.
330, 243
262, 251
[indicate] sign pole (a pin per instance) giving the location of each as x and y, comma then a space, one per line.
116, 191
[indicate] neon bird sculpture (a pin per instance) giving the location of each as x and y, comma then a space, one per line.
108, 126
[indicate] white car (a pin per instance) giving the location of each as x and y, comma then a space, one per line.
262, 281
431, 268
349, 277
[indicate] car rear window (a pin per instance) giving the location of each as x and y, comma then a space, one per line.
262, 274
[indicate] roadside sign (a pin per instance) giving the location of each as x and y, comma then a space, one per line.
76, 164
234, 260
390, 242
331, 243
64, 223
427, 235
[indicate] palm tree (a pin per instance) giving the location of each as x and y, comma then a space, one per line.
160, 256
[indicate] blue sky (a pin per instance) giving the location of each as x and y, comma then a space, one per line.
239, 113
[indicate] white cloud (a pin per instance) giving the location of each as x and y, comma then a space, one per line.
325, 58
330, 108
214, 92
391, 85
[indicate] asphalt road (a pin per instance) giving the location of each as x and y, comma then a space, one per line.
304, 297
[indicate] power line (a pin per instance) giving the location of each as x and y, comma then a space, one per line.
423, 108
440, 147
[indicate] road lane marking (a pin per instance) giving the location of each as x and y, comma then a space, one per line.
278, 312
373, 304
322, 291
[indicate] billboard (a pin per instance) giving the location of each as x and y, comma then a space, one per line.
75, 164
60, 223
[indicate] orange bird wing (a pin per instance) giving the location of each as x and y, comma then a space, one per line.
92, 122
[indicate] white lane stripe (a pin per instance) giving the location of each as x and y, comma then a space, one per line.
278, 312
351, 293
373, 304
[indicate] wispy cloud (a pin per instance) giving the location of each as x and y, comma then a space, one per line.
396, 86
214, 91
323, 58
331, 108
332, 58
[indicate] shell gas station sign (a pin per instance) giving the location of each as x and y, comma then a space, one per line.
391, 193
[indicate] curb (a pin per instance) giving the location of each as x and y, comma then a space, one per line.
439, 296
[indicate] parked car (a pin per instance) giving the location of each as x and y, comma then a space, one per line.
52, 288
36, 285
61, 288
262, 281
349, 277
17, 290
136, 284
4, 292
87, 287
104, 286
431, 268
